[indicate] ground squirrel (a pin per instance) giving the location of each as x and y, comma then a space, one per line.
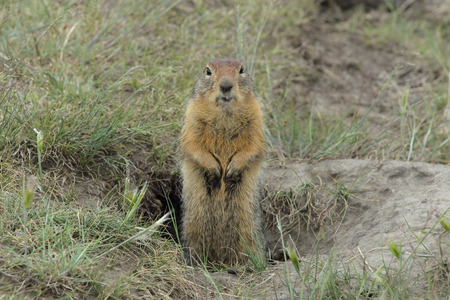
222, 147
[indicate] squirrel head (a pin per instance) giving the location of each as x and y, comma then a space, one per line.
225, 84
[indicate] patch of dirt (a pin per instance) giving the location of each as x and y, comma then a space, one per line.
388, 199
346, 72
342, 72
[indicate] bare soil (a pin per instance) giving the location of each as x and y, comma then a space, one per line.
387, 200
343, 73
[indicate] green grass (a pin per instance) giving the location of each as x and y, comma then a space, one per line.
66, 249
102, 81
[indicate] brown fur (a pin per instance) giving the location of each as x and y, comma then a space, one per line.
222, 146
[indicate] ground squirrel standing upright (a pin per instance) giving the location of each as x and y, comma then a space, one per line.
222, 146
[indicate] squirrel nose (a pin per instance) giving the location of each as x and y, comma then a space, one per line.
226, 85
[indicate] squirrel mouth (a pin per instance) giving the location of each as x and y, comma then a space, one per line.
225, 98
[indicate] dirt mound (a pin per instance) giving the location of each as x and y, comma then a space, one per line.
384, 200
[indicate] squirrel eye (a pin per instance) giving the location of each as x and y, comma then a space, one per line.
241, 70
208, 71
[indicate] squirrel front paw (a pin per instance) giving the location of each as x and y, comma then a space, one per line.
212, 179
214, 168
233, 170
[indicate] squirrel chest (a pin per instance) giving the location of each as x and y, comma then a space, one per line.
224, 135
